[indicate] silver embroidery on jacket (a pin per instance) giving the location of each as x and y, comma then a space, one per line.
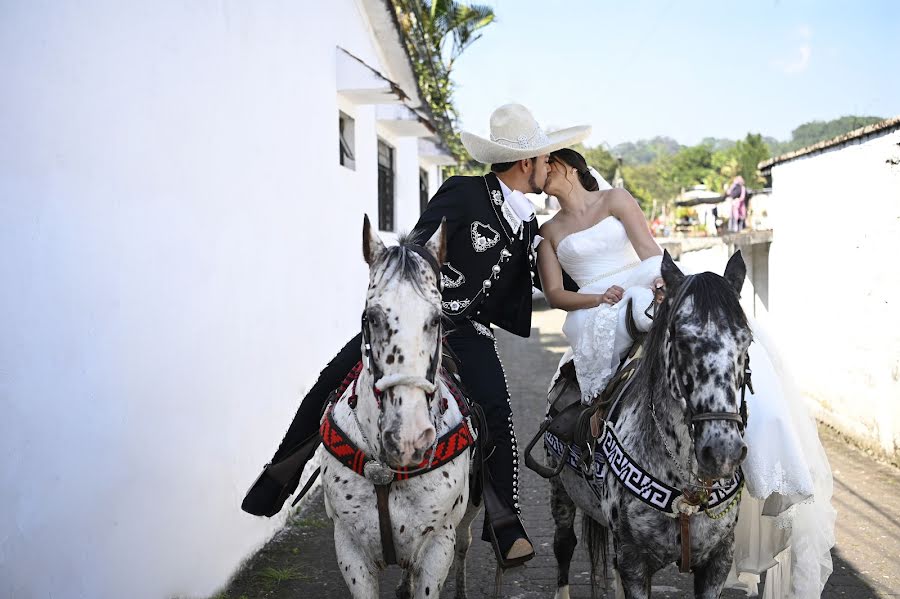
457, 280
511, 217
456, 306
480, 241
482, 329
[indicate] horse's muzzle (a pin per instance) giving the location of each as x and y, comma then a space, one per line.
721, 457
403, 451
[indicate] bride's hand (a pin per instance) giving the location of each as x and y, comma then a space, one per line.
659, 290
612, 295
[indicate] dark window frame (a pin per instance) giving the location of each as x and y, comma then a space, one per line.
346, 140
386, 186
424, 196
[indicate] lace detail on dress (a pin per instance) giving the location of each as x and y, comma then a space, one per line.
594, 352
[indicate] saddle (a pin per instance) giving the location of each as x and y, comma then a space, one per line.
574, 423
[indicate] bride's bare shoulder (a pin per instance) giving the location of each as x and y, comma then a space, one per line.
550, 228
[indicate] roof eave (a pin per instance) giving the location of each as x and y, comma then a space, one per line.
835, 141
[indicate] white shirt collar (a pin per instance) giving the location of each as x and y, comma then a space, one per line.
522, 206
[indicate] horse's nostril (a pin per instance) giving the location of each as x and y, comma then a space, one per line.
706, 454
743, 451
426, 438
392, 441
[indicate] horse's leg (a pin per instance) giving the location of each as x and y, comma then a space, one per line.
429, 574
463, 540
404, 589
709, 579
357, 570
634, 573
563, 510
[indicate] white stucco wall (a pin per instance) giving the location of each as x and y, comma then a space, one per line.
834, 283
180, 255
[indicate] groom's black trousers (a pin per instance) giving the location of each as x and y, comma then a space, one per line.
484, 380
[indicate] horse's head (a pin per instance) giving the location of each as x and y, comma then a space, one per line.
402, 335
706, 342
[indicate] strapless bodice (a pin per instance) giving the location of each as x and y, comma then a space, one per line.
596, 253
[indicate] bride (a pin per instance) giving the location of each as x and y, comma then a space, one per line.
601, 239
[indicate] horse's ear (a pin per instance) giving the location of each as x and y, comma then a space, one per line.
437, 245
372, 245
735, 271
670, 273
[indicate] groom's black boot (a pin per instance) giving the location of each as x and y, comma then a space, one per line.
280, 477
279, 480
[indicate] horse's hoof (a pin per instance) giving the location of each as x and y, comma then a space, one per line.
562, 593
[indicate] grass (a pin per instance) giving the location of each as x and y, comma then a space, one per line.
272, 577
309, 522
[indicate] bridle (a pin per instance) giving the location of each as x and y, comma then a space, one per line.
383, 383
680, 393
377, 471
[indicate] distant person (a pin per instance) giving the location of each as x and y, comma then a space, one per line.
737, 191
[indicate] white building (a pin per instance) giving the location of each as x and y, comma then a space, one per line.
834, 288
180, 251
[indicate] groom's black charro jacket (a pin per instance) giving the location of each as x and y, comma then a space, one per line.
490, 264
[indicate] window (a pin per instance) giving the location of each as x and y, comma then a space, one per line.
346, 139
423, 189
385, 187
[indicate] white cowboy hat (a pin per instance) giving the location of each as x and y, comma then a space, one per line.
515, 135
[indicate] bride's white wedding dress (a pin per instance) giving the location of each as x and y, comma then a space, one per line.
786, 522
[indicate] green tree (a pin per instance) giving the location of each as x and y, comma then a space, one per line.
813, 132
599, 158
648, 186
646, 151
748, 153
436, 33
689, 167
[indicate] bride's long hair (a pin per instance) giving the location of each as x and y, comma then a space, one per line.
575, 160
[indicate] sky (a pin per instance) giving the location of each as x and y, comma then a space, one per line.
634, 69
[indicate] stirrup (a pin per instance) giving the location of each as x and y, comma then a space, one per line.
500, 517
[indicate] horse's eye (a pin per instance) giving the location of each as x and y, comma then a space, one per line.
435, 321
375, 317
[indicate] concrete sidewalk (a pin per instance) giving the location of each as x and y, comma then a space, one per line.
300, 561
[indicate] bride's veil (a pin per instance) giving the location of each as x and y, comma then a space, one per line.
603, 183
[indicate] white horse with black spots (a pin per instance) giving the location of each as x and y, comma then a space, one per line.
681, 422
394, 414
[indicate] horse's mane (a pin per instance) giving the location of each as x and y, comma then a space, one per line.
713, 298
402, 262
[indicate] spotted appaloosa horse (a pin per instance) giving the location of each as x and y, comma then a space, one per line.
694, 365
397, 419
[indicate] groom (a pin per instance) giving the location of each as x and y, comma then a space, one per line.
487, 280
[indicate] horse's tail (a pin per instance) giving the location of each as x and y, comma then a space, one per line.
595, 535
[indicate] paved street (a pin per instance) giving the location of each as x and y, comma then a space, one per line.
300, 561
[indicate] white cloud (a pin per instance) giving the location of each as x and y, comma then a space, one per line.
798, 61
